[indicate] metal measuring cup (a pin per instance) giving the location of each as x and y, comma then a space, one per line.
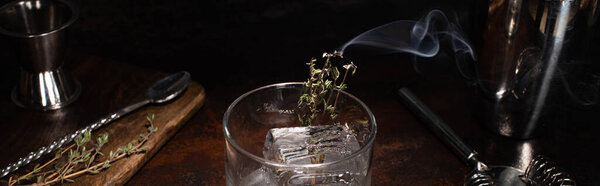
36, 31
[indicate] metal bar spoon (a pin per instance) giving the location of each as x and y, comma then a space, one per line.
162, 91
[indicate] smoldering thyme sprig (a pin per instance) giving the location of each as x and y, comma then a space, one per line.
322, 89
83, 158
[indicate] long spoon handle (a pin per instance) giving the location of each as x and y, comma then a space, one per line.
437, 126
57, 144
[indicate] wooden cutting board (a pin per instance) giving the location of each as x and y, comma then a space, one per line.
107, 86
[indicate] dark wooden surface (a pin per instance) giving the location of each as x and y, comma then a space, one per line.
169, 117
406, 152
232, 47
24, 130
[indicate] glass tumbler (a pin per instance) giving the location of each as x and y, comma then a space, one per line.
268, 115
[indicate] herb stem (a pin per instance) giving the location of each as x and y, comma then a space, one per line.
338, 91
82, 160
120, 155
319, 89
40, 167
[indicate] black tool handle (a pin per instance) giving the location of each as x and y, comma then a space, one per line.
437, 126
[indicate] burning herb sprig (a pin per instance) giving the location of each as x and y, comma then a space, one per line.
321, 86
82, 159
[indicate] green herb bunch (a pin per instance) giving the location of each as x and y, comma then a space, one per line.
83, 158
322, 89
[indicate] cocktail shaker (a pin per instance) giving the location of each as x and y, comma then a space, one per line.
537, 55
36, 31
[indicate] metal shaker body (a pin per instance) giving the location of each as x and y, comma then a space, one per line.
36, 30
537, 54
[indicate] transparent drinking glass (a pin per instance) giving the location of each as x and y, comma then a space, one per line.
255, 148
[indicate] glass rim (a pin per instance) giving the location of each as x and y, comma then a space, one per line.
74, 16
370, 142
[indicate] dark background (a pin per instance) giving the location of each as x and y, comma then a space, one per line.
224, 41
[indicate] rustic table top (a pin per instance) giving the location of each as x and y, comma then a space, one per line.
26, 130
405, 152
231, 47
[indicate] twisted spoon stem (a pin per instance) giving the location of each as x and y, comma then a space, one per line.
57, 144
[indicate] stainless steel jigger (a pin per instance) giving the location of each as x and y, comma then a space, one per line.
37, 33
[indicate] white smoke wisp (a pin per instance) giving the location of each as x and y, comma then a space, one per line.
421, 38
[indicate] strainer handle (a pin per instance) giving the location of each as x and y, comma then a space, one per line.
437, 126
